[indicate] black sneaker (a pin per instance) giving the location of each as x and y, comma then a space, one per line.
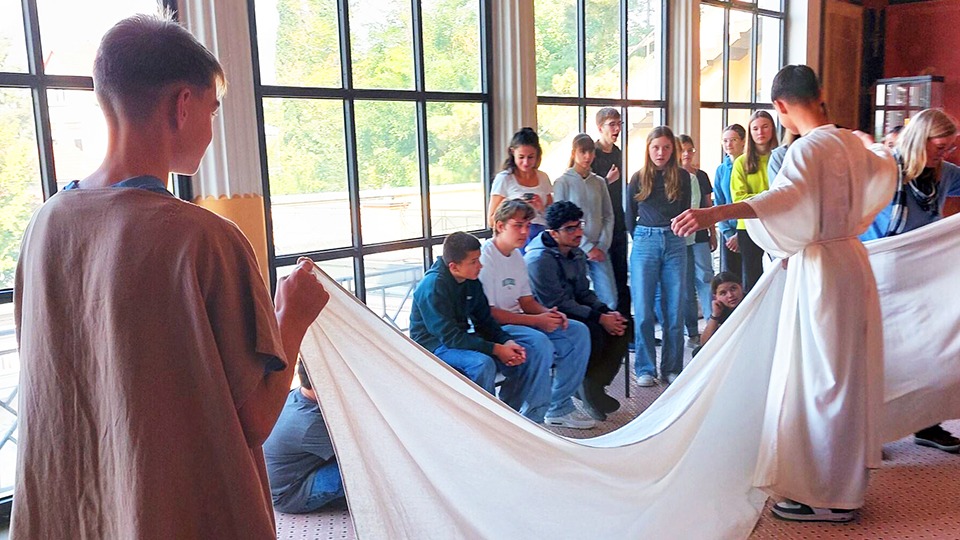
937, 437
794, 511
608, 403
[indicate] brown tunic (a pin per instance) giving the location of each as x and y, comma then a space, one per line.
143, 326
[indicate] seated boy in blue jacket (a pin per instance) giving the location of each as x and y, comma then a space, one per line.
445, 303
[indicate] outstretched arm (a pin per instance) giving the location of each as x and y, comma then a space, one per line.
691, 221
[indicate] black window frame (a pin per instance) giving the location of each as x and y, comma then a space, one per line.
623, 103
349, 95
725, 105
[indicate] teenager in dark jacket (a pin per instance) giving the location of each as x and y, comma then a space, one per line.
558, 276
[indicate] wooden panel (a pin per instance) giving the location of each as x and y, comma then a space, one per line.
842, 57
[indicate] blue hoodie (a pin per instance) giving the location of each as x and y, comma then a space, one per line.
443, 309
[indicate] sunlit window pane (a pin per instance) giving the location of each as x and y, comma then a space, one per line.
456, 155
79, 133
644, 49
773, 5
390, 279
708, 144
20, 192
340, 270
711, 53
308, 174
739, 116
451, 45
638, 124
389, 170
558, 125
13, 49
298, 42
381, 44
741, 61
556, 27
603, 48
768, 56
72, 30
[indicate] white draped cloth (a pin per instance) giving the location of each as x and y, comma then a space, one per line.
425, 453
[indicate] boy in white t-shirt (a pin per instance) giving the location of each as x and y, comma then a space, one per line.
534, 327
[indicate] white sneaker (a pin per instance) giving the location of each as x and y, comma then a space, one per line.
646, 380
671, 377
575, 419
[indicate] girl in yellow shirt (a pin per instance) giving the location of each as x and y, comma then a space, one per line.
749, 177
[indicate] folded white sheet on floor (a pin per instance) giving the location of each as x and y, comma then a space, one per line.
424, 453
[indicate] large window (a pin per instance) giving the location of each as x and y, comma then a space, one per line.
741, 50
374, 135
593, 54
51, 132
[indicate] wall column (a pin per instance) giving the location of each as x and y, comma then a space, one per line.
683, 68
514, 77
228, 182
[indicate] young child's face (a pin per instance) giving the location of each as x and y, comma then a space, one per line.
729, 294
525, 157
468, 268
583, 158
610, 129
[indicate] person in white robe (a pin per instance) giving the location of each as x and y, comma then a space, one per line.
820, 432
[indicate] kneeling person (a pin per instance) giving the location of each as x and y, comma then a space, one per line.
446, 301
727, 294
548, 332
558, 273
302, 468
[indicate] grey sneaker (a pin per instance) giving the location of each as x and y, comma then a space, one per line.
672, 377
575, 419
646, 380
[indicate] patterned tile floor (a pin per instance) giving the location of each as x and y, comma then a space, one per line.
915, 495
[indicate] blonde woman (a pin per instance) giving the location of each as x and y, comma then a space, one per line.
926, 180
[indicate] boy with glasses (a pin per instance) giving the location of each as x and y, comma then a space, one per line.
558, 274
608, 164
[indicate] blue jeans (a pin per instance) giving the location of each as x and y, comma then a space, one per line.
527, 386
699, 275
569, 351
657, 263
327, 487
604, 284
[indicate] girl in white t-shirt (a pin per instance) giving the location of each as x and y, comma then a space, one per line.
520, 179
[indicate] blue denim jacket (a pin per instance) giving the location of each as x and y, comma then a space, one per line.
721, 195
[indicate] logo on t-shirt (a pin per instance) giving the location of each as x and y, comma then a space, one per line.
508, 282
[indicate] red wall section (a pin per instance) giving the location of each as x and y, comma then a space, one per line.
926, 35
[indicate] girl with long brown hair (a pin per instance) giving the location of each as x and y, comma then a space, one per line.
658, 193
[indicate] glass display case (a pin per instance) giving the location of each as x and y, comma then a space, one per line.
900, 98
